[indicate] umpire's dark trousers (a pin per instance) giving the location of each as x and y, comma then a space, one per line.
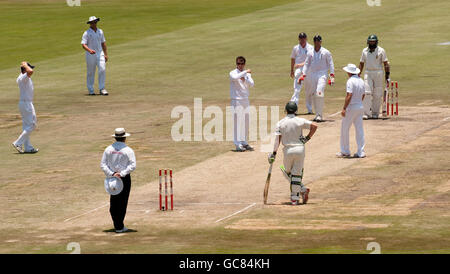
119, 203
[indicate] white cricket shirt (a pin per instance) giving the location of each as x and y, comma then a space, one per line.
93, 39
318, 61
239, 89
291, 129
299, 53
373, 61
26, 87
355, 86
118, 157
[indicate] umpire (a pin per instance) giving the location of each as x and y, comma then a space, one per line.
119, 161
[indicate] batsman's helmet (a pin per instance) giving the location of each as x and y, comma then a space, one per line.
291, 107
373, 38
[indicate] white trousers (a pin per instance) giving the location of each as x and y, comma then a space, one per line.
92, 62
241, 120
293, 159
353, 116
29, 123
374, 85
315, 90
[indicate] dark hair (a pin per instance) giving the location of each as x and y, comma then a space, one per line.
22, 69
120, 139
240, 58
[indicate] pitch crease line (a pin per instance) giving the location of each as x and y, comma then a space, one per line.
237, 212
66, 220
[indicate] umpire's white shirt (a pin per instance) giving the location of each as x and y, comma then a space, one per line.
26, 87
355, 86
93, 39
118, 157
299, 53
239, 90
318, 61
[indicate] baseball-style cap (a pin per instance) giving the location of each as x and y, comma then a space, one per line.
302, 35
113, 185
318, 38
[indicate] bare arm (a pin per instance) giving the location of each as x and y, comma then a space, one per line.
28, 70
105, 51
292, 67
348, 98
387, 70
312, 130
85, 47
276, 145
361, 67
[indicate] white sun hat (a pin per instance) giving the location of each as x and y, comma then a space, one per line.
351, 68
92, 18
120, 132
113, 185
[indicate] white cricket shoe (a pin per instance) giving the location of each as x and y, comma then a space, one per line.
18, 148
342, 155
240, 148
365, 117
356, 155
124, 229
33, 150
104, 92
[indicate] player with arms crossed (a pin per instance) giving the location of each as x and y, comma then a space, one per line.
374, 58
289, 132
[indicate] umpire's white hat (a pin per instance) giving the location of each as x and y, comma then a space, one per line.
351, 68
92, 18
113, 185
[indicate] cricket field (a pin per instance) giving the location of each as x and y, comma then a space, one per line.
163, 54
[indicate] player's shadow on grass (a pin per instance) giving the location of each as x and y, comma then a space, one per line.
112, 230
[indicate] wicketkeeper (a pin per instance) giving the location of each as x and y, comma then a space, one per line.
289, 131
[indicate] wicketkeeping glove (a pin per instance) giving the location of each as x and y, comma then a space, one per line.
271, 157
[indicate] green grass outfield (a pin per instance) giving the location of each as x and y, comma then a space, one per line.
163, 54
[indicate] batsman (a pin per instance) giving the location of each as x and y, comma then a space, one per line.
289, 132
373, 58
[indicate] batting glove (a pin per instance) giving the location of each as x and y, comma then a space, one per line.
304, 139
271, 158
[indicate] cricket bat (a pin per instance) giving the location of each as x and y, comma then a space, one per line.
266, 188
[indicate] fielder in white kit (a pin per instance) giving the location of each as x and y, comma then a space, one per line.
374, 58
26, 107
318, 62
298, 57
240, 83
94, 43
352, 113
289, 132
